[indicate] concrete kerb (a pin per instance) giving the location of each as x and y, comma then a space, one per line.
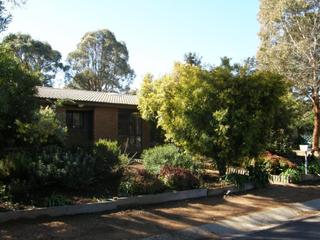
57, 211
119, 203
239, 225
161, 197
103, 206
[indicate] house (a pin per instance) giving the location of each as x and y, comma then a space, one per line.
91, 115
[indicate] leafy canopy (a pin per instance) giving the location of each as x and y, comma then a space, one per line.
5, 17
17, 101
290, 45
100, 63
36, 55
290, 40
225, 113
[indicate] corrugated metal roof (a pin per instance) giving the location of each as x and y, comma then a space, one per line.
87, 96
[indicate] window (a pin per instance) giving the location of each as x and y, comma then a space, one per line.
74, 119
130, 130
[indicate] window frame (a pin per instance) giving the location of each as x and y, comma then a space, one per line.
70, 118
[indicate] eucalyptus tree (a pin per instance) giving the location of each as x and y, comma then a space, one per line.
290, 45
100, 63
38, 56
5, 16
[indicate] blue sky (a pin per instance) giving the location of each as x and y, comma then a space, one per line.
157, 32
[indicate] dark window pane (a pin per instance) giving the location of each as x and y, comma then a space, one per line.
75, 120
69, 119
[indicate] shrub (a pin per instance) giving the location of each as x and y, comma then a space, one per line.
17, 101
20, 191
178, 178
45, 129
56, 200
4, 195
167, 155
237, 179
56, 167
294, 174
51, 168
258, 174
107, 154
314, 166
139, 181
276, 164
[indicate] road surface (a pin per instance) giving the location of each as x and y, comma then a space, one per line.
306, 228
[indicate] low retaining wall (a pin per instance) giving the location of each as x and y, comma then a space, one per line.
104, 206
229, 190
278, 179
118, 203
57, 211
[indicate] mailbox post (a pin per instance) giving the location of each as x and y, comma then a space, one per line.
304, 148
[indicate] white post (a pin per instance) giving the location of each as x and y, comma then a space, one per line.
306, 162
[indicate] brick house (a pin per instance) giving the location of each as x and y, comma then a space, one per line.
91, 115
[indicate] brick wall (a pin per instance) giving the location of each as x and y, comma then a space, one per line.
105, 123
145, 135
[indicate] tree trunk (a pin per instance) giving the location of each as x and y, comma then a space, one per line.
316, 110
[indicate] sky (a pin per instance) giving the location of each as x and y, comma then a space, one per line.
157, 33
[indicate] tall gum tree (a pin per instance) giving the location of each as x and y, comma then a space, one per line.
100, 63
290, 45
36, 55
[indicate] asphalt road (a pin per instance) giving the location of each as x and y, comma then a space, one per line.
307, 228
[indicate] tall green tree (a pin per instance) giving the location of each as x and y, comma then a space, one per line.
192, 59
17, 101
100, 63
290, 45
38, 56
225, 114
5, 17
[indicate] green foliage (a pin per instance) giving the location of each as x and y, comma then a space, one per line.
100, 48
192, 59
276, 164
287, 127
290, 46
294, 174
5, 17
178, 178
17, 102
4, 196
238, 180
106, 153
167, 155
51, 167
137, 182
56, 200
258, 174
314, 167
225, 113
44, 129
19, 190
69, 169
35, 55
